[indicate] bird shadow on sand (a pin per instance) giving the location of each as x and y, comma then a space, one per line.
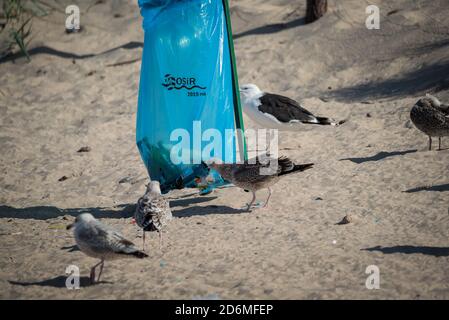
50, 212
434, 77
430, 251
379, 156
56, 282
117, 212
202, 211
271, 28
189, 201
437, 188
69, 55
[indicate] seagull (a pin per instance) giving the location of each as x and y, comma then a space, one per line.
152, 211
430, 116
278, 112
100, 241
253, 175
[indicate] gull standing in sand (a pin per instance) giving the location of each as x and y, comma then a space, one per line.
278, 112
152, 211
100, 241
430, 116
253, 175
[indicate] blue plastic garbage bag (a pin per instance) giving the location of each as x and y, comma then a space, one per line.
188, 85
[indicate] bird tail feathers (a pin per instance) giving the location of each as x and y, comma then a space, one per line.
138, 254
326, 121
301, 167
287, 166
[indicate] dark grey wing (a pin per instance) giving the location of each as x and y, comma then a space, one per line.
284, 109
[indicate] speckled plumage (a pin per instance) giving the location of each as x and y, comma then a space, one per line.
100, 241
250, 175
431, 117
153, 210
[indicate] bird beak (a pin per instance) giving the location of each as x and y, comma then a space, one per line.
70, 226
206, 166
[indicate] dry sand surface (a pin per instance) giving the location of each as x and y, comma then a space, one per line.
375, 167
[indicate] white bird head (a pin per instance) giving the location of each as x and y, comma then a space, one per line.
250, 91
82, 218
154, 187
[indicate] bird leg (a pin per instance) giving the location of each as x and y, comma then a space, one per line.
92, 275
268, 199
101, 269
430, 143
268, 145
92, 272
143, 240
252, 201
160, 240
439, 143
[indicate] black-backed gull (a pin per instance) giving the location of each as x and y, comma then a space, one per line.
277, 112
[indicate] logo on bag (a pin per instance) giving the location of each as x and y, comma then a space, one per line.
178, 83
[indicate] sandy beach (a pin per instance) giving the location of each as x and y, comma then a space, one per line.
80, 90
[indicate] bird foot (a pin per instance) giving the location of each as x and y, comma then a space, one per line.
254, 206
206, 191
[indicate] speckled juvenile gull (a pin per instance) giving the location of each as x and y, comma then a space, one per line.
254, 175
431, 117
100, 241
153, 211
277, 112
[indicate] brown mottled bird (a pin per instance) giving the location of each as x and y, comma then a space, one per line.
153, 211
430, 116
254, 175
100, 241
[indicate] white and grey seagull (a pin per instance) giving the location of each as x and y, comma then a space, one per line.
430, 116
100, 241
153, 211
278, 112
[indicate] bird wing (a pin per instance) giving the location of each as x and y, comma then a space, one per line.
284, 109
432, 102
251, 171
152, 211
119, 244
444, 108
101, 238
160, 212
